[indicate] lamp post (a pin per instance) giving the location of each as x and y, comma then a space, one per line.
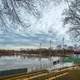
62, 50
63, 45
50, 52
50, 48
40, 56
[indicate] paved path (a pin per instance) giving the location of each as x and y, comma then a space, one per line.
58, 76
59, 73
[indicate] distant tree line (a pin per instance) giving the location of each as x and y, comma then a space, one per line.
38, 52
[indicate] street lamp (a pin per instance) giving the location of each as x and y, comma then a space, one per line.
63, 45
62, 58
40, 56
50, 52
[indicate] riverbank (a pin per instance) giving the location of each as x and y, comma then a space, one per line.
70, 73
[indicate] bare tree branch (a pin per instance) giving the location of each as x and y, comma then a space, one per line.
72, 17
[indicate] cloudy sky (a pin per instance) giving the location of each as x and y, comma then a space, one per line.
37, 26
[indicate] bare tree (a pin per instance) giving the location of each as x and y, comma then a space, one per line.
9, 14
8, 9
72, 17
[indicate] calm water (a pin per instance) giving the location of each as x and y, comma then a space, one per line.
33, 63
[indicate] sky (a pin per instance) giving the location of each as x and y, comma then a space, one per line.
40, 26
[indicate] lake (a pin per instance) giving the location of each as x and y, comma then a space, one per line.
32, 63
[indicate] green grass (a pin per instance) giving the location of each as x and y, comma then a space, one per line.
72, 59
73, 75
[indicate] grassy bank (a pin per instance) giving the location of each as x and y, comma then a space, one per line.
74, 59
73, 75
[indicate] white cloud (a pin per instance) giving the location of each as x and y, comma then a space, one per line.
48, 27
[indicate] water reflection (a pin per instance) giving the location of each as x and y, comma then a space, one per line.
32, 63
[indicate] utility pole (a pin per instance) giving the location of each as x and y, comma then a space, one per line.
40, 56
50, 48
56, 48
62, 50
50, 44
50, 52
40, 49
63, 45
